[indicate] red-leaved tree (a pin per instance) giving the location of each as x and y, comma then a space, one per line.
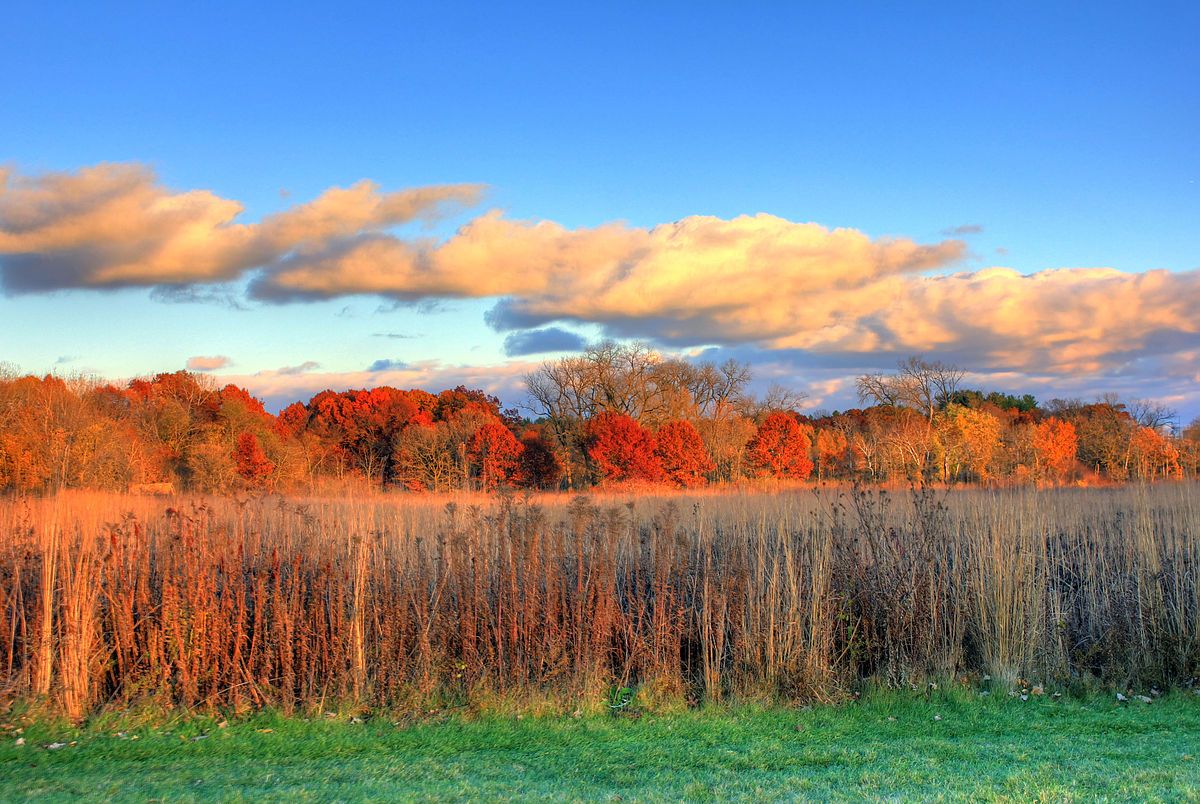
621, 449
363, 425
495, 455
252, 463
781, 448
681, 453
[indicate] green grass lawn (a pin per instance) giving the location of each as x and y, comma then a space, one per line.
890, 746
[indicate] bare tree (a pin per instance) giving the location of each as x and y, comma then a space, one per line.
880, 389
1152, 414
779, 398
635, 380
1063, 407
918, 384
713, 386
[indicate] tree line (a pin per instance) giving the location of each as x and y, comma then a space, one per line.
616, 414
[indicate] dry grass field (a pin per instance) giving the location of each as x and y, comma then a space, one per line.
397, 601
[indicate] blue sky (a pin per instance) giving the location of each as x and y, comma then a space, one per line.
1060, 137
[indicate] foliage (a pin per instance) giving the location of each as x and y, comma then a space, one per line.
1026, 403
832, 447
971, 439
1103, 432
1055, 446
621, 449
253, 465
540, 466
781, 448
681, 453
179, 430
495, 455
1153, 455
726, 435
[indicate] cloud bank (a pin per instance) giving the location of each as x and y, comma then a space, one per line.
755, 281
767, 281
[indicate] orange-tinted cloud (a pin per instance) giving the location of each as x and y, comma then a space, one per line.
114, 225
201, 363
694, 266
755, 280
768, 281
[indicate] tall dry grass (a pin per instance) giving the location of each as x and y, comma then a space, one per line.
393, 601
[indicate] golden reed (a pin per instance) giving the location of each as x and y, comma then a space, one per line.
396, 601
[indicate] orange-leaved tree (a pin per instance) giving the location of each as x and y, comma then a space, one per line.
495, 455
1153, 454
621, 449
252, 463
682, 455
1054, 446
832, 447
364, 424
781, 447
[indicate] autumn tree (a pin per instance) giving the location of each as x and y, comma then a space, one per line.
1054, 446
364, 425
781, 448
172, 413
621, 449
57, 433
540, 466
311, 454
970, 441
725, 435
425, 459
1103, 431
630, 379
253, 466
893, 442
682, 455
495, 455
1153, 455
449, 405
292, 420
832, 446
1189, 448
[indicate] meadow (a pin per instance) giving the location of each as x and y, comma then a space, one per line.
602, 602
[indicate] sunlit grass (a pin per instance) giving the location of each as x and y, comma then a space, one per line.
393, 602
